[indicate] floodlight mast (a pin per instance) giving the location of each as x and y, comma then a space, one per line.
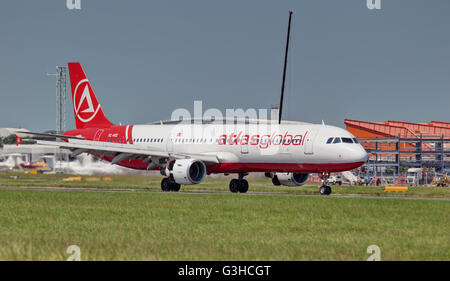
280, 112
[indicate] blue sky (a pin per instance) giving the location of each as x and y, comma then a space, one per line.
147, 58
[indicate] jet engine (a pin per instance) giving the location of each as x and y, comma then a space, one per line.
289, 179
186, 171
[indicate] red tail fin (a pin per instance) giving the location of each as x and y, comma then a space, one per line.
18, 140
86, 108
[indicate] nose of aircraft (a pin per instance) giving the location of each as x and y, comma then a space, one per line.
360, 154
356, 153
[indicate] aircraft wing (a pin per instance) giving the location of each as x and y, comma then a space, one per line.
49, 135
123, 151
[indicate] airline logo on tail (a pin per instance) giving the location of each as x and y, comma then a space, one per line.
83, 106
86, 108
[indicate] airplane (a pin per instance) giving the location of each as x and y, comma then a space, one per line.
185, 153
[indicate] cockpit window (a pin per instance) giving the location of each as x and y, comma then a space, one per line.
337, 140
347, 140
330, 140
355, 140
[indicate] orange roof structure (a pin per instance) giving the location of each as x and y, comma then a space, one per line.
391, 129
368, 131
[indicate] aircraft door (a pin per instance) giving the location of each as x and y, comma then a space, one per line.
169, 144
98, 134
309, 141
244, 147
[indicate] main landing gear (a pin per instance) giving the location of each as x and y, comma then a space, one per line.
325, 189
168, 184
239, 185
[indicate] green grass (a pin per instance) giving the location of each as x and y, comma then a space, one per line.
256, 184
40, 225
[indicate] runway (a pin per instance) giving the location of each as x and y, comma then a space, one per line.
212, 192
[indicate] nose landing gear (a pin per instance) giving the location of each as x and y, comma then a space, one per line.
239, 185
324, 188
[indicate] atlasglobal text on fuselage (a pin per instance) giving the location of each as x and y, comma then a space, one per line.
263, 141
186, 152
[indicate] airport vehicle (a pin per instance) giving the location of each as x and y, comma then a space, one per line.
414, 176
441, 180
335, 179
186, 153
34, 165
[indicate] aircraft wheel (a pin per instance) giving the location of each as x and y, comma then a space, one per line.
234, 185
175, 187
325, 190
275, 181
243, 186
165, 184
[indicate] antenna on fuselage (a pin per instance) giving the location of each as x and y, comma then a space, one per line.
284, 68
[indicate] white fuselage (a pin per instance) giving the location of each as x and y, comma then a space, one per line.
304, 146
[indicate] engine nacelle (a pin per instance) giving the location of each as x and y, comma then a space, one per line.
187, 171
291, 179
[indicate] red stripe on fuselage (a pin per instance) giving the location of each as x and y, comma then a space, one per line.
282, 167
258, 167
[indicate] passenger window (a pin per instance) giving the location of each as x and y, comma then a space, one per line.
347, 140
355, 140
330, 140
337, 140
